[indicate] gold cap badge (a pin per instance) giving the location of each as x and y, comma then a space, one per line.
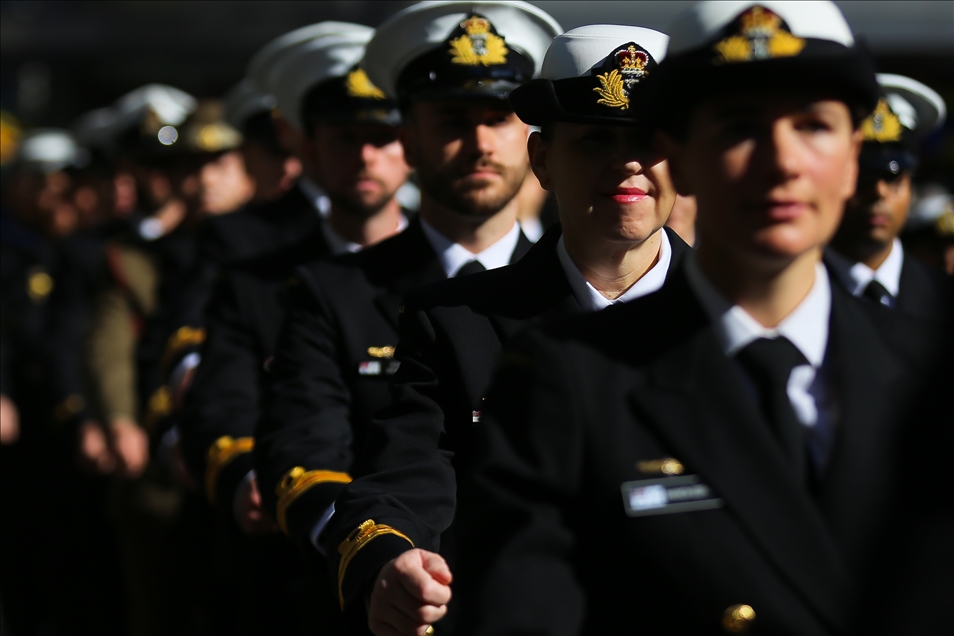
616, 84
762, 36
359, 85
479, 45
882, 125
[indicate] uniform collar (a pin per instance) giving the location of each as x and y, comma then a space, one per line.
806, 326
452, 256
340, 245
591, 300
888, 274
315, 195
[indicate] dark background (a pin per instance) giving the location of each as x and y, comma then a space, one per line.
59, 58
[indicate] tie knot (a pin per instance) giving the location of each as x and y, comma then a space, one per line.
771, 358
470, 267
876, 291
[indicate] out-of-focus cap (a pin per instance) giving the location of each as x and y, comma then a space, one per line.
454, 49
907, 111
592, 74
50, 150
206, 131
263, 63
728, 47
320, 61
243, 101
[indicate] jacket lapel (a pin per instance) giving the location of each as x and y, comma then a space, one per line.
696, 400
407, 262
870, 382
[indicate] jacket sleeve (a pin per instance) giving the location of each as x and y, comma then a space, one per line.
222, 405
514, 515
303, 439
406, 492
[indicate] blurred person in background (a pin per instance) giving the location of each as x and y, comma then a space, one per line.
44, 311
683, 218
869, 259
351, 138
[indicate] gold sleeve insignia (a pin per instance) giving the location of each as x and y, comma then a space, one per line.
360, 537
220, 454
296, 482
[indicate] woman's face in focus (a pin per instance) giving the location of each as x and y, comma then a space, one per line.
609, 183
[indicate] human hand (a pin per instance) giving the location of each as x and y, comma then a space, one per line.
9, 421
92, 449
249, 514
130, 446
410, 593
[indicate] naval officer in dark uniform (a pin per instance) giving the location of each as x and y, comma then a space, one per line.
614, 195
354, 134
451, 66
360, 165
867, 257
710, 458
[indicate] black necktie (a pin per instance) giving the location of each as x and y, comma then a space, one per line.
470, 267
769, 363
875, 291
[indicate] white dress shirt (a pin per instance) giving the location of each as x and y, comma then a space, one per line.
591, 300
453, 256
340, 245
313, 192
806, 327
888, 273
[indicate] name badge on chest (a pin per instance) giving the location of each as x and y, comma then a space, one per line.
378, 367
667, 495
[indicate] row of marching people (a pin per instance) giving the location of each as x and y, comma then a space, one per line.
588, 327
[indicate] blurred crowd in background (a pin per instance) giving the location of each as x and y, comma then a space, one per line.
117, 159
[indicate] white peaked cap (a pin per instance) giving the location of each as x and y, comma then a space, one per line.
579, 50
262, 63
170, 105
96, 127
424, 26
704, 21
242, 102
51, 149
312, 62
919, 108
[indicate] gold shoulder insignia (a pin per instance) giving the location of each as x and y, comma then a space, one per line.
882, 125
478, 45
359, 85
762, 36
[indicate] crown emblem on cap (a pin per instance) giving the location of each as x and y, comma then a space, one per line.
616, 83
882, 125
359, 85
761, 35
479, 44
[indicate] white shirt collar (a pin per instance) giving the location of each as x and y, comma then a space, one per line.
453, 256
590, 299
806, 326
341, 245
888, 274
316, 196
